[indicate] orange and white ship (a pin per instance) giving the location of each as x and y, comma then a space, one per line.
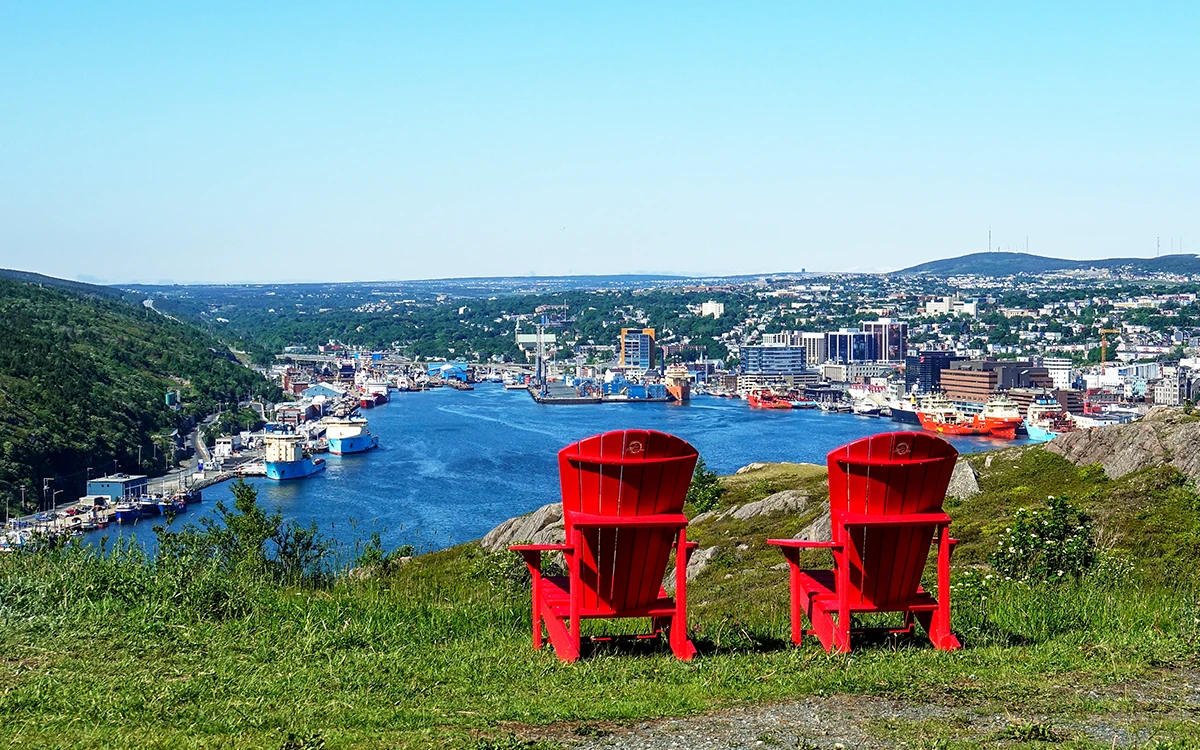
679, 382
939, 415
1001, 417
764, 399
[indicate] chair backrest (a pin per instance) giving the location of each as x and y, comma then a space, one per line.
625, 473
895, 473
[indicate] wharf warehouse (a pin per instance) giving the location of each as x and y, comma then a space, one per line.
118, 486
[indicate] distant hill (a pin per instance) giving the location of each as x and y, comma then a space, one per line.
83, 378
75, 286
1008, 264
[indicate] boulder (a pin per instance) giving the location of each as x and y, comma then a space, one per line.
543, 526
751, 467
786, 500
963, 482
820, 530
1164, 436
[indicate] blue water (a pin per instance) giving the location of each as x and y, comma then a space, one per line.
453, 464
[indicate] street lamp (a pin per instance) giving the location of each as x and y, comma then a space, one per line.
54, 499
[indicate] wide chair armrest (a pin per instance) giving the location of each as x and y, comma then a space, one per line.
655, 521
803, 544
541, 547
907, 519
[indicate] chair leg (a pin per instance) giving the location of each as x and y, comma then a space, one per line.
937, 625
794, 594
681, 645
565, 647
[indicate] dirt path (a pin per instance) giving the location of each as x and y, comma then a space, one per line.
1164, 708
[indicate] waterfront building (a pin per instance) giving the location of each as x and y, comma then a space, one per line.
118, 486
773, 359
848, 345
976, 381
637, 348
923, 370
890, 338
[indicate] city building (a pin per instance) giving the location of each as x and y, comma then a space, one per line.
118, 486
1060, 371
773, 359
923, 370
976, 381
715, 309
952, 306
816, 346
637, 348
848, 345
890, 338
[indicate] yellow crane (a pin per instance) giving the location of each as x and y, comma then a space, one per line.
1104, 343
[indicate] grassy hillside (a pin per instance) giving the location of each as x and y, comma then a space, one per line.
82, 383
215, 644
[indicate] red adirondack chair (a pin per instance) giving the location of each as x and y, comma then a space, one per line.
623, 495
885, 503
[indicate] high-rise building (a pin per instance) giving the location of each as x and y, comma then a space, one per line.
816, 346
715, 309
924, 370
1060, 370
637, 348
891, 338
848, 345
773, 359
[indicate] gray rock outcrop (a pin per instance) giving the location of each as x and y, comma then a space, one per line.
1163, 436
820, 530
543, 526
785, 500
751, 467
963, 482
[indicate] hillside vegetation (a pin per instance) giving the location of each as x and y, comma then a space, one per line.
1008, 264
238, 636
83, 379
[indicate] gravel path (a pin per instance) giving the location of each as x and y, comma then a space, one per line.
848, 721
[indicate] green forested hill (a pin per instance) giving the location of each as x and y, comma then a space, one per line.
82, 384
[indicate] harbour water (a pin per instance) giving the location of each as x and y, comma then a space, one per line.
452, 464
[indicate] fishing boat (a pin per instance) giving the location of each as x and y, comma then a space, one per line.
173, 505
349, 436
127, 511
767, 400
366, 401
286, 458
148, 506
939, 415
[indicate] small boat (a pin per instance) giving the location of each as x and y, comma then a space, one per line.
172, 505
803, 403
148, 506
127, 511
865, 407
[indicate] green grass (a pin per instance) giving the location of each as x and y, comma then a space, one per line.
109, 653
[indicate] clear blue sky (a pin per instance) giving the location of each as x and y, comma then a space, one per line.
291, 141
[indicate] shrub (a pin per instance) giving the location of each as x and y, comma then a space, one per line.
706, 490
1046, 545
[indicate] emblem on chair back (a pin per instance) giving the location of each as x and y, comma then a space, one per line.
624, 474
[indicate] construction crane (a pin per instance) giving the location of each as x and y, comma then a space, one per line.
1104, 344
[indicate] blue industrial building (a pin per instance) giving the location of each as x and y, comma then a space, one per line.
118, 486
449, 371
